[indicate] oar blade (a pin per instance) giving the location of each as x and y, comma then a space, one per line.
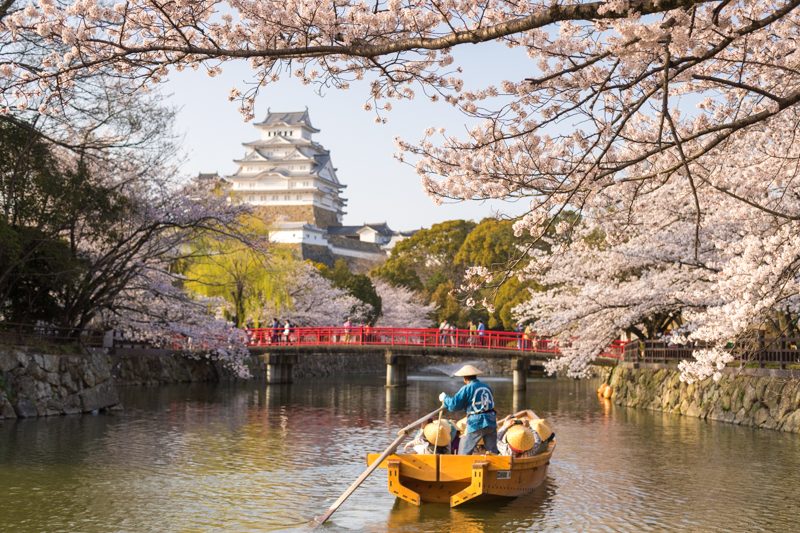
318, 521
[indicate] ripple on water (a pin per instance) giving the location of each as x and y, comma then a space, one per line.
250, 459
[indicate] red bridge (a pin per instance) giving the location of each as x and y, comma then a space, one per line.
413, 339
279, 348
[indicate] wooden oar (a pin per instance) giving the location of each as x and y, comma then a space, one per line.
365, 474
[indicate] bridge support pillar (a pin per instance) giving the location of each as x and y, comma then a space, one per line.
279, 367
396, 370
520, 366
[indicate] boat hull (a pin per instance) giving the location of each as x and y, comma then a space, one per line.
458, 479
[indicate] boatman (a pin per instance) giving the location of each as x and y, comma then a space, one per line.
476, 398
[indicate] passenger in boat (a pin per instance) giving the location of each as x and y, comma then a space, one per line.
435, 437
524, 435
516, 439
477, 399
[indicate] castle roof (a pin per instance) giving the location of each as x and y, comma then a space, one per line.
382, 228
288, 118
276, 142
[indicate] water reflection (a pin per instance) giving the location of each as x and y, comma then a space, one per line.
248, 458
519, 401
396, 401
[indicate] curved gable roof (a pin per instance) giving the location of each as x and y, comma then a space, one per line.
288, 118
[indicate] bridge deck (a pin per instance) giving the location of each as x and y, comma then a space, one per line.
400, 350
411, 341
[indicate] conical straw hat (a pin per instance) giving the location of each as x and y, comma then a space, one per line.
541, 427
468, 370
462, 425
520, 438
442, 428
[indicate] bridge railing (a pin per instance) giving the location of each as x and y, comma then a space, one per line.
423, 337
781, 351
13, 333
615, 350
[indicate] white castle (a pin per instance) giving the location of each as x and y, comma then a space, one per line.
290, 180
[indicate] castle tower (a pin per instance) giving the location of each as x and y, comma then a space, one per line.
289, 178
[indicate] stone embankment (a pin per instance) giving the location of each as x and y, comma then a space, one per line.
739, 397
160, 367
36, 384
33, 383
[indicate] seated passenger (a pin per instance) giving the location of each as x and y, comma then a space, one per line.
516, 439
455, 435
435, 433
524, 437
541, 428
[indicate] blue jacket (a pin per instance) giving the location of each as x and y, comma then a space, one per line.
477, 399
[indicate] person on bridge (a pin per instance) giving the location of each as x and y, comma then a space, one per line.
276, 331
477, 399
481, 332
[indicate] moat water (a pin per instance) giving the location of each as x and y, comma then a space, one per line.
251, 458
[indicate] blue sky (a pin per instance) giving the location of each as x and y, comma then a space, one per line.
379, 188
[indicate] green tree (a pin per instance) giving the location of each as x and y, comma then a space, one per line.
491, 244
426, 259
358, 285
43, 200
39, 271
450, 308
433, 261
239, 272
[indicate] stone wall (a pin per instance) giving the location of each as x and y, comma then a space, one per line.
316, 253
38, 384
310, 214
158, 367
763, 401
41, 384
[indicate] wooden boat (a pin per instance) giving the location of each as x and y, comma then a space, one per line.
457, 479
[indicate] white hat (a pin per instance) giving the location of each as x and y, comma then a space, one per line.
468, 370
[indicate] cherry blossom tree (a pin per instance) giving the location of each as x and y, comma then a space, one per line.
668, 125
314, 301
725, 290
402, 307
155, 310
129, 281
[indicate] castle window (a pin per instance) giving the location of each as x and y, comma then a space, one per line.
286, 197
274, 196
